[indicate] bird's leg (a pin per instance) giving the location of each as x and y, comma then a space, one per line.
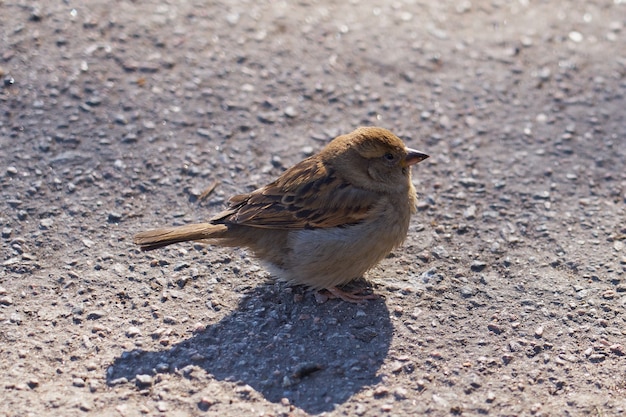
351, 297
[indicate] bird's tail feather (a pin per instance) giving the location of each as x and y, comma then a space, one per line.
157, 238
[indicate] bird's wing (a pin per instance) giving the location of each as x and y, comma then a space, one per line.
307, 196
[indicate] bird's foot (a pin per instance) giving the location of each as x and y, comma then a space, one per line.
351, 297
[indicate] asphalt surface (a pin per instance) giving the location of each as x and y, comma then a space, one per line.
508, 297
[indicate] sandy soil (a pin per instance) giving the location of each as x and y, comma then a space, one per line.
508, 298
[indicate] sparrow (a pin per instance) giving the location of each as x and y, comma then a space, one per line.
325, 221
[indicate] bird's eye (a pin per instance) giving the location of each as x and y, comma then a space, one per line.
389, 156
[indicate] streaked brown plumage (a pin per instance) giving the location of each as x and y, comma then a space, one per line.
325, 221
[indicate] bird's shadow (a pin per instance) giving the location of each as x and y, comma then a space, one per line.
315, 355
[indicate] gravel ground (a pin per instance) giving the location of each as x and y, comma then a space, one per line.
508, 297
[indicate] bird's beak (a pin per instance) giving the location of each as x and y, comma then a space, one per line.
413, 157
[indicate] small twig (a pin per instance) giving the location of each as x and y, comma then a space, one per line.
208, 190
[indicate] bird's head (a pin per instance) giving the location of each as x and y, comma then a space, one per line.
373, 158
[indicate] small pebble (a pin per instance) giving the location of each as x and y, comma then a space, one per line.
287, 382
85, 406
118, 381
143, 380
468, 182
162, 367
321, 298
467, 291
277, 161
494, 328
205, 133
114, 217
381, 391
436, 355
94, 101
575, 36
232, 18
205, 403
526, 41
440, 252
478, 266
120, 119
308, 151
133, 331
608, 294
12, 170
597, 357
93, 386
267, 118
78, 382
400, 393
181, 265
396, 367
474, 380
95, 314
539, 331
46, 223
198, 327
291, 112
470, 212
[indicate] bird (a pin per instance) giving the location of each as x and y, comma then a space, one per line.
326, 220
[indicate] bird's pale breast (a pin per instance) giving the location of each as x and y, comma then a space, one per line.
324, 258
